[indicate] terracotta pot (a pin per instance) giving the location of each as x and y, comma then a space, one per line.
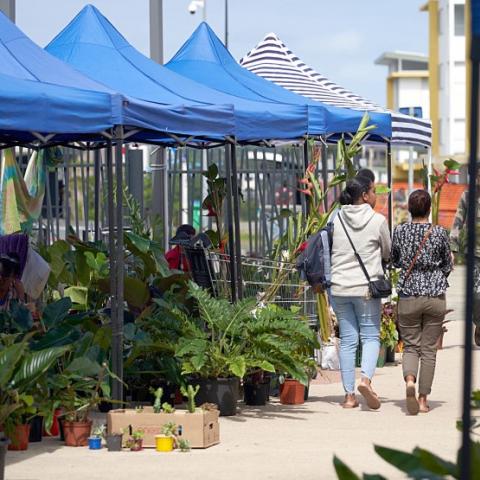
19, 437
292, 392
76, 433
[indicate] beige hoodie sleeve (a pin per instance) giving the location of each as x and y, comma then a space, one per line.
385, 240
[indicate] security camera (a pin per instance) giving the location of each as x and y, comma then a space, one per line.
192, 8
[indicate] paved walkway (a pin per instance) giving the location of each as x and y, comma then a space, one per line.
287, 442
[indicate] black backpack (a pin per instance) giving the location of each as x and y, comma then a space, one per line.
314, 263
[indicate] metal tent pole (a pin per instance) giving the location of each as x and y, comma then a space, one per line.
389, 182
465, 452
325, 172
236, 210
96, 198
117, 324
231, 240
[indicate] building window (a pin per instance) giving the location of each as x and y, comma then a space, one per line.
412, 111
459, 20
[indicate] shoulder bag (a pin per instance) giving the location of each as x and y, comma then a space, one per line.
381, 288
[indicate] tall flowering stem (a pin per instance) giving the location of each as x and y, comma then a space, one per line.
301, 228
437, 181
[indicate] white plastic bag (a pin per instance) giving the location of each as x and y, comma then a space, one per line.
35, 274
330, 358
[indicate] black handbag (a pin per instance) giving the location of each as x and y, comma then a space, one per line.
381, 288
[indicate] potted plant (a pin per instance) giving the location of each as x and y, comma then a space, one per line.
388, 333
80, 388
135, 441
166, 441
20, 372
256, 387
211, 349
17, 426
114, 441
95, 440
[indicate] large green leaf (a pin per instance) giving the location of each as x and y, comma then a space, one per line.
435, 464
84, 366
78, 296
406, 462
238, 366
344, 472
55, 312
9, 359
55, 253
140, 243
136, 292
35, 364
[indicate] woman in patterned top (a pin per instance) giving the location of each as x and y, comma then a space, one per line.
422, 253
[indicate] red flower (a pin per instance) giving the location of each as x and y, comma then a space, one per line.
306, 192
311, 168
302, 247
211, 212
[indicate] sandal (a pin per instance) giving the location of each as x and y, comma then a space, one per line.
413, 406
370, 396
350, 401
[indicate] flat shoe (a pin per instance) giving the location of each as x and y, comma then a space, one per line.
412, 403
370, 396
350, 404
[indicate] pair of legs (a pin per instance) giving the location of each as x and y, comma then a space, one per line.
358, 318
420, 322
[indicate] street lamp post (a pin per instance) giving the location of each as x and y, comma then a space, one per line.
196, 4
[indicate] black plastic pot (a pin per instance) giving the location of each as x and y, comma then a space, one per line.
36, 429
390, 355
307, 391
114, 442
256, 394
221, 391
105, 407
274, 386
4, 442
60, 429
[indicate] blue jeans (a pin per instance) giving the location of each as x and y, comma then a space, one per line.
357, 317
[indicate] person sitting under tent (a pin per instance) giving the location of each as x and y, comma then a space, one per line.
176, 257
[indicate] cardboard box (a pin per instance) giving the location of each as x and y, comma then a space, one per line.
201, 428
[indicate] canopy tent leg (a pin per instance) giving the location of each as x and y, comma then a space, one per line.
118, 313
325, 172
231, 240
96, 198
390, 186
236, 209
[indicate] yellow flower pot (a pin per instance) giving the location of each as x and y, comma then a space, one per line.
163, 443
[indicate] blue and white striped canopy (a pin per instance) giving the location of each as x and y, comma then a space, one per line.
272, 60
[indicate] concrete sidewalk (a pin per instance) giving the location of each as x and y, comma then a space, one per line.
288, 442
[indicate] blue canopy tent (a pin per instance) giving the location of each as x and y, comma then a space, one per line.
22, 59
204, 58
92, 45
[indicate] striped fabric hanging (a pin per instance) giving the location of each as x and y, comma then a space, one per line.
272, 60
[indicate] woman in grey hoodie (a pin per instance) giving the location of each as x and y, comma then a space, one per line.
358, 314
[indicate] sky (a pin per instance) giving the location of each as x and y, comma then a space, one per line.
341, 39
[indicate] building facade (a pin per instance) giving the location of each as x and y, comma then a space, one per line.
448, 87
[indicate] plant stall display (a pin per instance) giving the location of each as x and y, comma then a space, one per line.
230, 342
388, 331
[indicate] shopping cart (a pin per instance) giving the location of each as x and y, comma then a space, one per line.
211, 270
